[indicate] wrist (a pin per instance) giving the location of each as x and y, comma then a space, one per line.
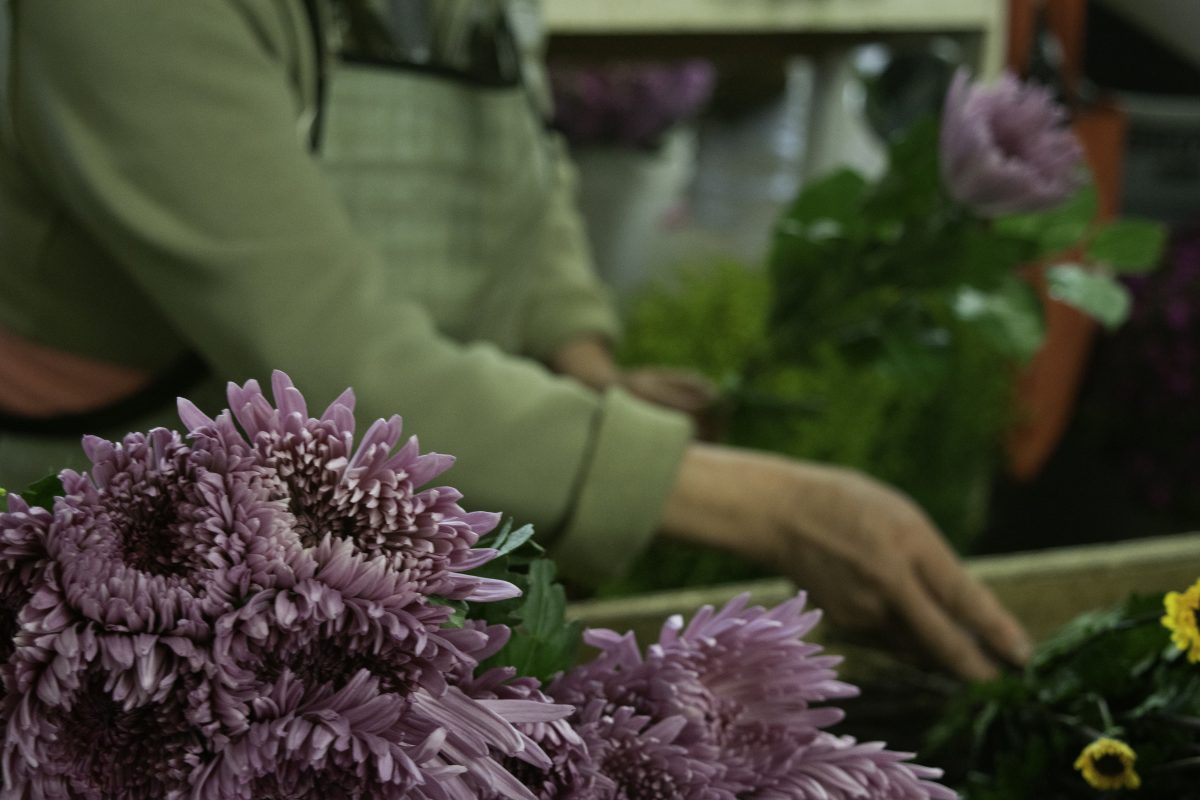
730, 499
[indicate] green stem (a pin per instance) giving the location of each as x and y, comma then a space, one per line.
1105, 714
1079, 727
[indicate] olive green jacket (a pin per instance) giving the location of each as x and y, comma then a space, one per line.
158, 196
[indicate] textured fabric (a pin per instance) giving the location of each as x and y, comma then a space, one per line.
158, 196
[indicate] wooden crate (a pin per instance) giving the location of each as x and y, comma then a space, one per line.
1043, 589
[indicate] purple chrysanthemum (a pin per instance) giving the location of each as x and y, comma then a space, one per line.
1005, 148
365, 494
164, 538
254, 619
840, 768
643, 759
366, 629
555, 762
143, 555
236, 619
353, 613
101, 715
351, 739
23, 561
737, 688
324, 743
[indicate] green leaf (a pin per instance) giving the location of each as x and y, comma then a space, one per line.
43, 492
543, 642
831, 202
506, 541
1058, 229
912, 187
1073, 634
545, 602
1093, 293
515, 539
1010, 318
459, 613
1128, 245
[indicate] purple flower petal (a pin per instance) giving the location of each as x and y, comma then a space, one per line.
1005, 148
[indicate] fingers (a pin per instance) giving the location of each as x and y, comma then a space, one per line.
940, 635
973, 605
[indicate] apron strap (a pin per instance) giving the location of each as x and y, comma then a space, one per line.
317, 29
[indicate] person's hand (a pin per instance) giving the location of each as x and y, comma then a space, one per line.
683, 390
865, 552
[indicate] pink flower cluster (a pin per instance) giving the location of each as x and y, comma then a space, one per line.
252, 613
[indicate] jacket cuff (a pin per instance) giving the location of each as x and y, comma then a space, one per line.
633, 465
578, 314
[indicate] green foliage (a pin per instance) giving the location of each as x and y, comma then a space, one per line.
1051, 232
711, 317
1128, 245
1111, 672
1093, 293
41, 493
543, 643
1008, 318
884, 334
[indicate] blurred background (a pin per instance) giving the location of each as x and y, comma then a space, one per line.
695, 125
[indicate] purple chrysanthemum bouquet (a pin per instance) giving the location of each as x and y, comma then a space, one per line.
913, 284
265, 608
254, 612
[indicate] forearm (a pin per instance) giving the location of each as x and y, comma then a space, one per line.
725, 498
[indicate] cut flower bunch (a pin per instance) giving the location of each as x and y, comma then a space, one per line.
895, 312
920, 278
264, 608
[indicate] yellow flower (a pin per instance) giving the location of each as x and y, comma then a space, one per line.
1181, 619
1108, 764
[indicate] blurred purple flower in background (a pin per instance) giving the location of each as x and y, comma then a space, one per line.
627, 103
1005, 147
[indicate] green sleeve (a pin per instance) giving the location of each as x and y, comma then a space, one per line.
169, 131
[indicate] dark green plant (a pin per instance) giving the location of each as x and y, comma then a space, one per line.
543, 643
1111, 673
